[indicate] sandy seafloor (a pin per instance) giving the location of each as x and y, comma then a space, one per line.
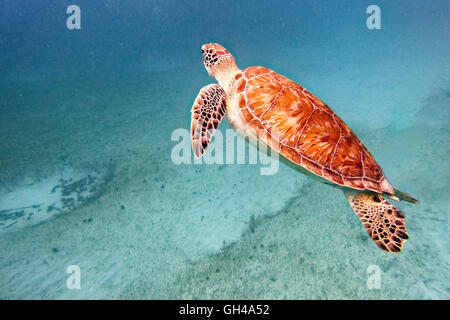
156, 230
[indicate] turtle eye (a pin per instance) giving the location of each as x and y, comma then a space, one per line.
203, 51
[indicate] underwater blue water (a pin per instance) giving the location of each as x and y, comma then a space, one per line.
88, 127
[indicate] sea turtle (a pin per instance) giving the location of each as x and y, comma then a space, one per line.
266, 107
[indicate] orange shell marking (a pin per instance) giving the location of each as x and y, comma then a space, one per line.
302, 128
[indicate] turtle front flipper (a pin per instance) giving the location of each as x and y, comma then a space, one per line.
384, 223
207, 112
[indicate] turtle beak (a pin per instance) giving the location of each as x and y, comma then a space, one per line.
204, 51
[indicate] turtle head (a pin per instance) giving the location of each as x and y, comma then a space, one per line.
217, 60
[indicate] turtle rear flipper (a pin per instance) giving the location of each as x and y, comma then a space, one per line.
384, 223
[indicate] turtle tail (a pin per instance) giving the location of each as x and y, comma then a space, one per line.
404, 196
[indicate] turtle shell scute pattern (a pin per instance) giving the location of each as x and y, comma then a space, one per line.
293, 121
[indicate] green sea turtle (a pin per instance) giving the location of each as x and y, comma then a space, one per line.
266, 107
